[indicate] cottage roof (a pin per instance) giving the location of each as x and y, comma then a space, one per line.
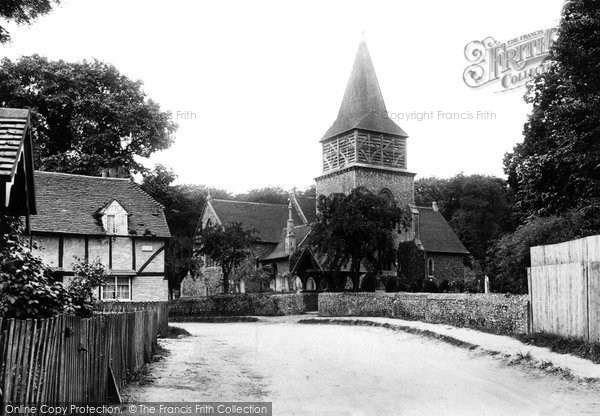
72, 203
436, 235
266, 219
363, 106
13, 128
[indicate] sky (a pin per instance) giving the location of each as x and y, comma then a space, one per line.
255, 84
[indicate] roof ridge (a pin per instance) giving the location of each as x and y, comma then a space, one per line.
249, 202
80, 175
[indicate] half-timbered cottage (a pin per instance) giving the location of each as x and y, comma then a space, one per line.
106, 218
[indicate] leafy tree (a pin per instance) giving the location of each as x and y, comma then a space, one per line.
556, 167
267, 195
183, 206
477, 207
23, 12
88, 276
411, 267
356, 229
27, 289
85, 115
227, 245
510, 255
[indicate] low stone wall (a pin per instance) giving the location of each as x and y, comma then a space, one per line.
248, 304
498, 313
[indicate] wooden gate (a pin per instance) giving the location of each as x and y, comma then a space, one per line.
564, 289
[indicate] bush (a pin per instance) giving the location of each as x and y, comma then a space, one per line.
88, 277
27, 287
430, 286
391, 285
411, 266
369, 283
509, 257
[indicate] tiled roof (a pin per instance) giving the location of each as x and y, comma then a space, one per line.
266, 219
13, 127
308, 206
70, 204
279, 250
363, 106
436, 235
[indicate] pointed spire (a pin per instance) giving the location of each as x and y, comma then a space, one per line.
363, 106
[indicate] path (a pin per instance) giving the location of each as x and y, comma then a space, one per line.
341, 370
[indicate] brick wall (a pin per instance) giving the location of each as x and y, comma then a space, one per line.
149, 288
249, 304
498, 313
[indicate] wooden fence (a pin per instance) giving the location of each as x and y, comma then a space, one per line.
67, 359
564, 289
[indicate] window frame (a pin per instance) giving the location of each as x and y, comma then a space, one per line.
115, 283
430, 267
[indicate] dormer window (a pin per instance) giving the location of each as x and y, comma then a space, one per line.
114, 218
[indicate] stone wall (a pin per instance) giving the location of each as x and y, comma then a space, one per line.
497, 313
249, 304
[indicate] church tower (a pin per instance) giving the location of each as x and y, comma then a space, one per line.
364, 147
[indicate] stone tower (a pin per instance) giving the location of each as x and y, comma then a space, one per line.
364, 147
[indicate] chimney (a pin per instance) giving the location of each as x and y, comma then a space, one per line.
104, 173
290, 235
434, 206
112, 172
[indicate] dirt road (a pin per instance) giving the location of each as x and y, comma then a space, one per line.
339, 370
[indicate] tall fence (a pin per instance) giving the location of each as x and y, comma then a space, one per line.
564, 289
67, 359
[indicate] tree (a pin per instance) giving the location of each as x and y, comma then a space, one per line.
227, 245
477, 207
356, 229
267, 195
86, 115
183, 207
411, 267
510, 255
23, 12
556, 168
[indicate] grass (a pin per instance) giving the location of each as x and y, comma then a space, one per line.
562, 345
176, 332
215, 319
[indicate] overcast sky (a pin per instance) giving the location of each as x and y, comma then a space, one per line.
265, 78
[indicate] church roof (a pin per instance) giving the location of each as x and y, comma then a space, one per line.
279, 251
266, 219
436, 235
363, 106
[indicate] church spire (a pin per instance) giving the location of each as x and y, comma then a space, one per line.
363, 106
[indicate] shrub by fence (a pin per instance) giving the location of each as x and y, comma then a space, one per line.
67, 359
499, 313
259, 304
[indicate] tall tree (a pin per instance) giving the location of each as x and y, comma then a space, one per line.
356, 229
23, 12
85, 115
557, 168
227, 245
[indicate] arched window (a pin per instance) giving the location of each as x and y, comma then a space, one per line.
430, 267
387, 195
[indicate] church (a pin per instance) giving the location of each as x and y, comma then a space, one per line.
362, 148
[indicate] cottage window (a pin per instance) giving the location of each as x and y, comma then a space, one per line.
116, 288
111, 224
430, 267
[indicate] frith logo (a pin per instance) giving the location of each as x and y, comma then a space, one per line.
512, 63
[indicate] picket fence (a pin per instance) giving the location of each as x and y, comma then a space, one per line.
72, 360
